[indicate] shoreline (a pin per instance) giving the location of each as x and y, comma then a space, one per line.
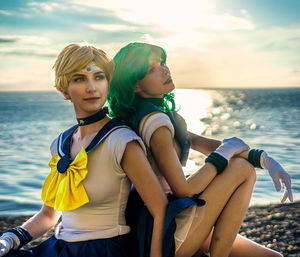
276, 226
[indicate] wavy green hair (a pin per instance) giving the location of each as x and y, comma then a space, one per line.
131, 65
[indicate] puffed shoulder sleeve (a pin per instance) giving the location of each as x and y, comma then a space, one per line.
119, 140
151, 122
53, 146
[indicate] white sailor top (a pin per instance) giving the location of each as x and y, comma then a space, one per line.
98, 191
148, 125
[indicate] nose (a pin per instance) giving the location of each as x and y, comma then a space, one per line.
166, 70
91, 85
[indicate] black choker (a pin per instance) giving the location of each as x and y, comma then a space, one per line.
94, 118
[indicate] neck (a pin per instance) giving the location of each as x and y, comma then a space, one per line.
93, 123
101, 114
158, 101
91, 129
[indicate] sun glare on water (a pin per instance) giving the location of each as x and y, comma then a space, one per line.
193, 106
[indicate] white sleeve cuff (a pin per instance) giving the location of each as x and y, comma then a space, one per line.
151, 122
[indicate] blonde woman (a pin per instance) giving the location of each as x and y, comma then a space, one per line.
93, 164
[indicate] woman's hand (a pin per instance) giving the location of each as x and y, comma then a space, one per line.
8, 241
33, 228
278, 175
207, 146
232, 146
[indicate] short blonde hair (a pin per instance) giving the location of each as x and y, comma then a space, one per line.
75, 57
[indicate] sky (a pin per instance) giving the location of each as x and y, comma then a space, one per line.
210, 43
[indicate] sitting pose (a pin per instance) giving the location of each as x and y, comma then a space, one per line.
93, 164
140, 95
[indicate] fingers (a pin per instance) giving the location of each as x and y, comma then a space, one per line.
3, 250
285, 195
290, 194
286, 182
277, 183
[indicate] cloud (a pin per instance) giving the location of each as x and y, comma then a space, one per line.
206, 46
227, 22
8, 13
25, 73
244, 11
112, 27
171, 15
282, 44
23, 45
235, 59
25, 39
28, 52
7, 40
229, 67
46, 7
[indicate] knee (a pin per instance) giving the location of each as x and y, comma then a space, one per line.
243, 168
275, 254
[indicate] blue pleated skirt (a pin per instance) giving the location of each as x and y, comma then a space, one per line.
111, 247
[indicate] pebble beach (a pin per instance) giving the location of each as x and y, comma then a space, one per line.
276, 226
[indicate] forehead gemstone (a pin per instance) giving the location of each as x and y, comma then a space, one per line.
91, 67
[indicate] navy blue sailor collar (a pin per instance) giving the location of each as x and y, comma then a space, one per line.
65, 138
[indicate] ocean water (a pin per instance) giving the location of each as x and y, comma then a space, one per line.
267, 119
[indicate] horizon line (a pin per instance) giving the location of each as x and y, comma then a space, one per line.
189, 88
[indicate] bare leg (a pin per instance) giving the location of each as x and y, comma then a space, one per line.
228, 224
232, 189
243, 247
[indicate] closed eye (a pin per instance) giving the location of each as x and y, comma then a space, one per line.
151, 69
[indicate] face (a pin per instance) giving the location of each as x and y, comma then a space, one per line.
158, 80
87, 91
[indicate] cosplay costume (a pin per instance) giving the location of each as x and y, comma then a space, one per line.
149, 118
91, 192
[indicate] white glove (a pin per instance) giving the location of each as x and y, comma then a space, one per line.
278, 175
231, 147
8, 241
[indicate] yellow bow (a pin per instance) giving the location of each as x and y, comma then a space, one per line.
65, 191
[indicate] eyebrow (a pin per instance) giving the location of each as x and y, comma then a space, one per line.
82, 74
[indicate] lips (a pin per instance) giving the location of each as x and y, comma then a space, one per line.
169, 81
91, 98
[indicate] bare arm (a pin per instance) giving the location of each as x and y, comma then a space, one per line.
161, 144
207, 145
41, 222
139, 171
202, 144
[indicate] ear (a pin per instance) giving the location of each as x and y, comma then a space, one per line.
67, 96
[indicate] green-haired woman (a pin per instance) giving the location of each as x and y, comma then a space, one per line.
140, 95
